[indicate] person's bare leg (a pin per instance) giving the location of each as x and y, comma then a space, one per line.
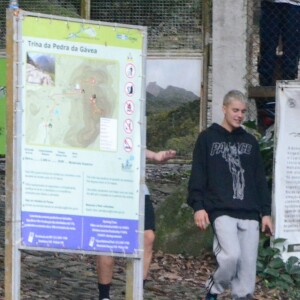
105, 266
149, 237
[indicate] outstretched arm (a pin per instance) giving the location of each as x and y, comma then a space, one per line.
160, 155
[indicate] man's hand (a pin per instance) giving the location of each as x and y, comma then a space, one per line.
201, 219
267, 225
160, 156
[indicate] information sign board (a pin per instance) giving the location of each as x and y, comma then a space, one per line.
81, 144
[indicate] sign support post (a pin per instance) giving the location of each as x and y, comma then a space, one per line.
12, 223
75, 163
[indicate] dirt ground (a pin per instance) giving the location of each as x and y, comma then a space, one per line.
49, 275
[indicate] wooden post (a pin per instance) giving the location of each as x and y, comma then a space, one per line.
134, 279
129, 279
206, 42
85, 11
12, 254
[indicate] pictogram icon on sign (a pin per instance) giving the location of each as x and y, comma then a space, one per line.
128, 126
129, 107
130, 70
129, 89
128, 145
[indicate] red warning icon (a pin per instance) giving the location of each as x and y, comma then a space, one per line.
128, 144
129, 107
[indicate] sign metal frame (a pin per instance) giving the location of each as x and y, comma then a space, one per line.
14, 185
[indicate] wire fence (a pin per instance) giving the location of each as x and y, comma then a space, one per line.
69, 8
172, 24
273, 34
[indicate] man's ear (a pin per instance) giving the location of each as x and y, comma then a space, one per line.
224, 109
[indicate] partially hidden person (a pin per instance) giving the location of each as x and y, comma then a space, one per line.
105, 264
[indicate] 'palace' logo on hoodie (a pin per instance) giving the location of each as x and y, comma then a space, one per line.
231, 153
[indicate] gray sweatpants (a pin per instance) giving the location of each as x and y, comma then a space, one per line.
235, 247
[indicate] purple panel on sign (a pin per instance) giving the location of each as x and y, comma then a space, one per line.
110, 235
51, 230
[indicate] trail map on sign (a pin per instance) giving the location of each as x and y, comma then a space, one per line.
66, 103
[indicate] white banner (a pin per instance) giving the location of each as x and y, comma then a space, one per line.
286, 186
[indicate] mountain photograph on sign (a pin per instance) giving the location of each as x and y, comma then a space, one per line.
172, 82
165, 99
173, 103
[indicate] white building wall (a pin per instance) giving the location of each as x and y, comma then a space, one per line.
228, 51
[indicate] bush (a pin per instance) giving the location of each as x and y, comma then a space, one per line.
176, 231
274, 272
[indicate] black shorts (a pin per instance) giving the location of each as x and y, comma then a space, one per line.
149, 214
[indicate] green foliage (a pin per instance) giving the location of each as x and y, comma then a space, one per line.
148, 10
177, 129
176, 231
266, 144
61, 8
168, 99
183, 144
276, 273
66, 8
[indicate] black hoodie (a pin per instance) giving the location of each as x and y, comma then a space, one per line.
228, 176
